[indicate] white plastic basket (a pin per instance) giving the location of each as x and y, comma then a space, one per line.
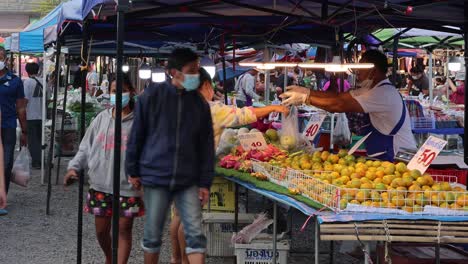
275, 174
262, 252
219, 228
311, 185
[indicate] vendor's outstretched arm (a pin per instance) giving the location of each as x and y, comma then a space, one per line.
333, 102
265, 111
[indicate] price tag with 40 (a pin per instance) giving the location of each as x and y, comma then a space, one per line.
313, 127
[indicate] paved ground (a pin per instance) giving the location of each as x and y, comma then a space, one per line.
28, 235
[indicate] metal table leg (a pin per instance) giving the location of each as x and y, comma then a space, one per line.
275, 231
236, 207
332, 251
437, 253
366, 259
317, 240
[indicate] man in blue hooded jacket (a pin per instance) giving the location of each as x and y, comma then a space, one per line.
170, 153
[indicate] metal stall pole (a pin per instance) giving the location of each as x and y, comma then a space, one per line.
44, 116
12, 59
317, 240
62, 124
465, 135
122, 6
236, 207
84, 54
52, 127
395, 60
275, 231
285, 79
223, 60
19, 65
431, 84
367, 257
267, 91
224, 82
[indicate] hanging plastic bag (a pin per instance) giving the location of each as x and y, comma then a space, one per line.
227, 141
289, 134
21, 172
341, 133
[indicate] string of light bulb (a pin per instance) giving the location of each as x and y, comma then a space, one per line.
334, 66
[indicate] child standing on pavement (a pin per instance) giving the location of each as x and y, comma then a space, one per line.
96, 152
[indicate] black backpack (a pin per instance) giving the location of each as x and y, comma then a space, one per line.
38, 89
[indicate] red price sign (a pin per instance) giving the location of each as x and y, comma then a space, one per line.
312, 128
257, 144
274, 116
252, 141
427, 154
427, 157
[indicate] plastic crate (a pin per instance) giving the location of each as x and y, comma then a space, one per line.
219, 228
262, 252
460, 174
222, 195
422, 253
423, 122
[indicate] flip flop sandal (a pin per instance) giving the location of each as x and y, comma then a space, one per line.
3, 212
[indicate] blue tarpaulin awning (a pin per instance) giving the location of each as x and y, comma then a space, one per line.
31, 39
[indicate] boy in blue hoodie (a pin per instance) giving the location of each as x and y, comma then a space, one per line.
170, 153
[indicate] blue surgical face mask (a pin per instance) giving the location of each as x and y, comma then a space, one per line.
125, 99
191, 82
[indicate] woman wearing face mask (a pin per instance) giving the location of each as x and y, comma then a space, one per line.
417, 81
96, 153
386, 114
458, 89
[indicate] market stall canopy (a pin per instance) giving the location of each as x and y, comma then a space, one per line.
421, 37
32, 37
207, 23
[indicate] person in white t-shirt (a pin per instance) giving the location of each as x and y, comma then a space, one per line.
245, 89
92, 79
388, 118
33, 90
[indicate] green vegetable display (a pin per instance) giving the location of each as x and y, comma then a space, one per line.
266, 185
76, 107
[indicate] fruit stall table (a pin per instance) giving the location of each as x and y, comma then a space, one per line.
362, 227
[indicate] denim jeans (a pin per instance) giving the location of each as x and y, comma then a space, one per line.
9, 142
157, 204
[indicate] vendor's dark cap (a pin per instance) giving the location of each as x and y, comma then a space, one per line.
181, 57
377, 58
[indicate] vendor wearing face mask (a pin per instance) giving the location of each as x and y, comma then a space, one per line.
417, 81
387, 117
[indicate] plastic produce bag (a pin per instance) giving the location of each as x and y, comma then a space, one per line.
21, 172
248, 233
227, 141
289, 134
341, 133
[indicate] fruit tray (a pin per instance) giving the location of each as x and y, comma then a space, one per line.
369, 198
